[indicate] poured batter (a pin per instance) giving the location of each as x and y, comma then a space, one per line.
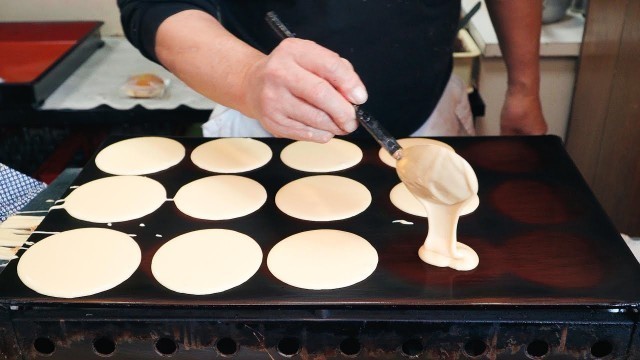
322, 259
206, 261
444, 183
335, 155
220, 197
323, 198
114, 199
79, 262
231, 155
140, 156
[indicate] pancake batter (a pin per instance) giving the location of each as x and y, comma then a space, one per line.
140, 156
334, 155
206, 261
115, 199
323, 198
220, 197
444, 183
322, 259
79, 262
231, 155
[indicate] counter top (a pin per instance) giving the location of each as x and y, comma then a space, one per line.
562, 38
98, 82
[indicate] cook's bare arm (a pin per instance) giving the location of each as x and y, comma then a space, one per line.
518, 24
300, 91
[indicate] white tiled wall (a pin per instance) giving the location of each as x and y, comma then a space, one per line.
64, 10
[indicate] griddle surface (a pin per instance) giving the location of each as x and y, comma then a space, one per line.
542, 238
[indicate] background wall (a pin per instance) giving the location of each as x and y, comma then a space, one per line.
605, 122
58, 10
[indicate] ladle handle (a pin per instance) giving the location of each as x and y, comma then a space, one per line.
373, 127
379, 133
278, 26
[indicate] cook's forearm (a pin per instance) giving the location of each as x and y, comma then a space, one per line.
141, 19
518, 24
195, 47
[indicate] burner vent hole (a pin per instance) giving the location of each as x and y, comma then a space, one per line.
104, 346
412, 348
350, 346
227, 346
537, 349
44, 346
601, 349
475, 348
166, 346
288, 346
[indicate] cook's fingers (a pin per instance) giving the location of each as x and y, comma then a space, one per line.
303, 112
336, 70
320, 94
352, 88
293, 129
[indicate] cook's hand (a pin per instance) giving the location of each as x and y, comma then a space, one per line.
522, 115
304, 91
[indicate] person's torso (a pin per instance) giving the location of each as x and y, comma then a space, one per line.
402, 49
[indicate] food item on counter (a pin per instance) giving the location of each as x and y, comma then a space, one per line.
231, 155
206, 261
323, 198
140, 156
144, 86
444, 183
334, 155
220, 197
407, 143
114, 199
79, 262
402, 198
322, 259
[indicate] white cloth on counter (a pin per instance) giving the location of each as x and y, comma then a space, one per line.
99, 80
451, 117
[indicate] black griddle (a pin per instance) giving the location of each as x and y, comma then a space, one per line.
548, 255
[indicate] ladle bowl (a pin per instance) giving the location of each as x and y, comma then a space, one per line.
437, 174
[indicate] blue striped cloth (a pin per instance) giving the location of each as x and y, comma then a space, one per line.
16, 190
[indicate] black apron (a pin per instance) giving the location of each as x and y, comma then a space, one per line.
402, 50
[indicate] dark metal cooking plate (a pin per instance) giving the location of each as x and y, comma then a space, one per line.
555, 279
542, 238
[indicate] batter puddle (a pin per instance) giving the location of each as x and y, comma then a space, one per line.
114, 199
231, 155
335, 155
140, 156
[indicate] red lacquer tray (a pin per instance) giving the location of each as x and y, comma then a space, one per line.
38, 57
